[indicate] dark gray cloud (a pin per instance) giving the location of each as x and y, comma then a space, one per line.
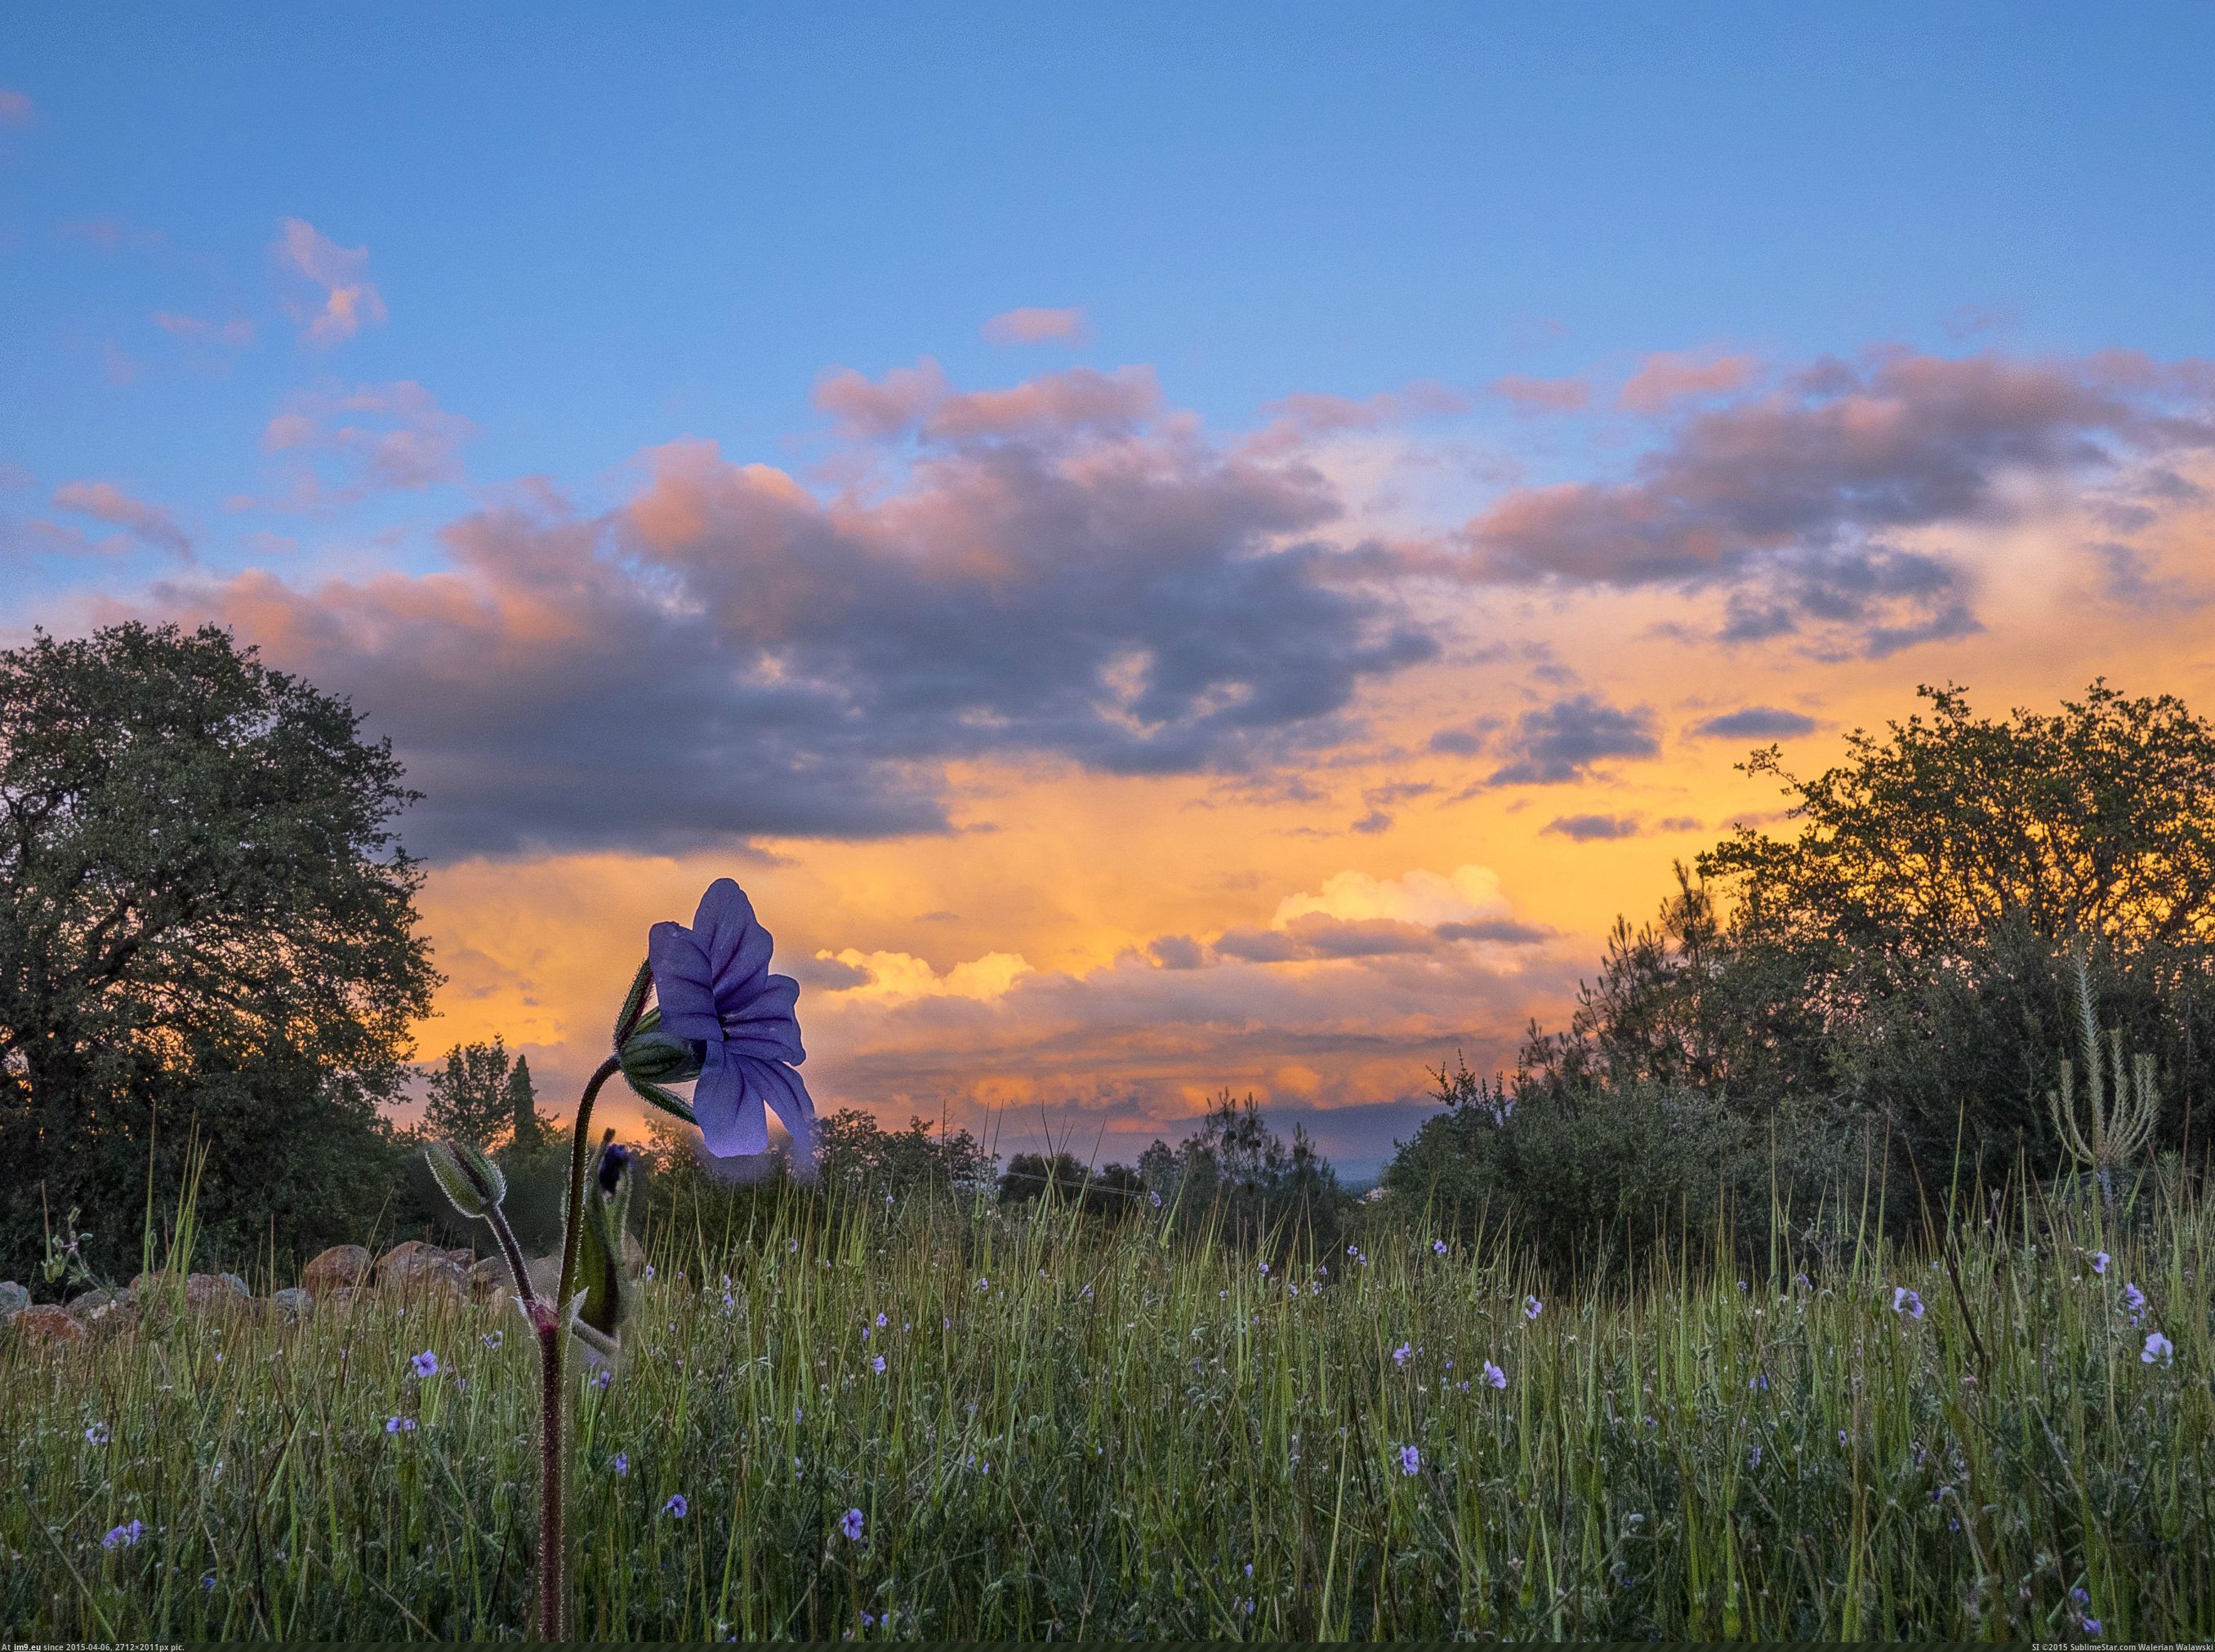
1594, 828
1756, 722
1176, 952
728, 657
1787, 493
1560, 742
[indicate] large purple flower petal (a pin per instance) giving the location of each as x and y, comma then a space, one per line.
737, 946
764, 1024
728, 1108
783, 1090
683, 985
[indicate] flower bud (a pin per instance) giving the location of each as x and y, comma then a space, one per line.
653, 1057
472, 1181
607, 1290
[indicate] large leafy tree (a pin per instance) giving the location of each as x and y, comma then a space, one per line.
207, 934
480, 1095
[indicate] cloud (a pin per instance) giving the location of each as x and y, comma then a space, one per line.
1592, 828
1419, 896
1667, 379
148, 524
728, 656
349, 301
1034, 326
1541, 396
16, 108
1756, 722
1298, 421
1052, 407
232, 334
1560, 742
347, 444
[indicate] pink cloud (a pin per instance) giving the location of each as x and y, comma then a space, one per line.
372, 439
920, 398
1308, 416
16, 108
869, 409
105, 501
1527, 394
350, 302
234, 334
1668, 378
1034, 326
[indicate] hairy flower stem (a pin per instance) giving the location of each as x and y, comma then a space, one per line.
553, 1571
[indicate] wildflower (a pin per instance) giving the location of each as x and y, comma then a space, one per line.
493, 1338
1906, 1302
602, 1377
1157, 1198
882, 1322
2099, 1260
1411, 1460
426, 1364
623, 1462
1494, 1376
1533, 1307
1803, 1281
648, 1272
984, 1284
122, 1537
1753, 1457
1757, 1381
1401, 1355
2134, 1298
713, 985
207, 1580
1265, 1271
851, 1526
2091, 1625
877, 1365
97, 1433
1293, 1290
1437, 1247
400, 1425
2159, 1350
676, 1506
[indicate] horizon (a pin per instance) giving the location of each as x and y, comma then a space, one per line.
1167, 553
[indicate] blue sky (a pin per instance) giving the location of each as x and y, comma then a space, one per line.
1279, 669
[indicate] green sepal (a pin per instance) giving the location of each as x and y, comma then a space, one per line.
653, 1057
633, 1003
466, 1177
606, 1290
667, 1100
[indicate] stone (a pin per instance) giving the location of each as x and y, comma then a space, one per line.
413, 1266
336, 1269
105, 1310
462, 1258
292, 1303
14, 1298
215, 1291
346, 1297
489, 1281
45, 1326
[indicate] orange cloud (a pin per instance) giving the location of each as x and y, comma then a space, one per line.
1667, 379
148, 524
349, 302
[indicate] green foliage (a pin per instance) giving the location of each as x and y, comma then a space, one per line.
480, 1095
1234, 1176
1683, 1460
206, 923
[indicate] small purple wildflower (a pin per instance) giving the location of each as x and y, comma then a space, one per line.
1411, 1460
851, 1526
623, 1462
493, 1338
2134, 1298
426, 1364
2099, 1261
1157, 1199
2091, 1625
1265, 1271
122, 1537
882, 1322
1753, 1457
1533, 1307
677, 1507
1757, 1381
1437, 1247
877, 1365
2159, 1350
1906, 1302
97, 1433
207, 1580
1401, 1355
1494, 1376
602, 1377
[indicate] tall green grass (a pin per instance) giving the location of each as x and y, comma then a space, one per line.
1080, 1433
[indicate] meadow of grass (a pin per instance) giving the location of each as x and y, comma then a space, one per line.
1077, 1431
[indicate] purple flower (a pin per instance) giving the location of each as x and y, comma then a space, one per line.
676, 1506
97, 1433
2134, 1298
1753, 1457
2099, 1260
1401, 1355
1437, 1247
1533, 1307
1411, 1460
1906, 1302
623, 1462
400, 1425
207, 1580
714, 989
877, 1365
851, 1526
603, 1377
1494, 1375
122, 1537
882, 1322
2091, 1625
426, 1364
1265, 1271
2159, 1350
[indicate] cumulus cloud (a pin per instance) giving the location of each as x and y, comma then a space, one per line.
146, 524
1667, 379
1029, 326
758, 661
347, 301
1592, 828
340, 446
1786, 496
921, 401
1297, 421
1554, 744
1756, 722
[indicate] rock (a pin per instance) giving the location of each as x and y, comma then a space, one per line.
291, 1304
105, 1311
47, 1326
346, 1297
489, 1281
215, 1291
336, 1269
413, 1267
462, 1258
14, 1298
544, 1273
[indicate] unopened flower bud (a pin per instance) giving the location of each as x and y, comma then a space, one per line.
472, 1181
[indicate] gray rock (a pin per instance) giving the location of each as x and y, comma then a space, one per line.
292, 1303
14, 1298
104, 1310
338, 1268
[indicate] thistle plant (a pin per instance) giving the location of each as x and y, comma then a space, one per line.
2119, 1114
702, 1009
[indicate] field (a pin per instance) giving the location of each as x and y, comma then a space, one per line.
1053, 1430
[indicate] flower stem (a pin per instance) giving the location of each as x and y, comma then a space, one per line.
552, 1580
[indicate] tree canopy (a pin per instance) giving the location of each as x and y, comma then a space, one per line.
208, 921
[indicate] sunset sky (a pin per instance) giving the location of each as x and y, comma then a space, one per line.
1167, 548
